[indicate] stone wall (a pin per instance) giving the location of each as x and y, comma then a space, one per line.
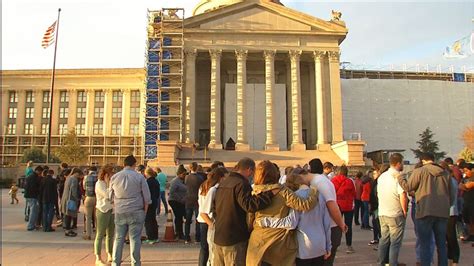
390, 114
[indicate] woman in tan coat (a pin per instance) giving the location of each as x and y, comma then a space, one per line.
275, 246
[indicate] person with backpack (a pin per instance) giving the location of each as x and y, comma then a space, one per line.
345, 194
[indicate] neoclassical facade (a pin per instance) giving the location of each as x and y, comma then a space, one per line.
103, 106
263, 75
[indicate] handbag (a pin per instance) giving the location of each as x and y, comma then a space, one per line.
71, 205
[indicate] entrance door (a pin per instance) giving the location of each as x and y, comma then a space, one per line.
256, 115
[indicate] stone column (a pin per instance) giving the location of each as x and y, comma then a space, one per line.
108, 112
321, 140
270, 143
5, 104
296, 124
72, 112
242, 142
90, 106
38, 113
20, 115
126, 99
190, 85
55, 113
141, 125
215, 110
336, 101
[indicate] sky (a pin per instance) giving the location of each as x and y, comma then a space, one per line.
112, 33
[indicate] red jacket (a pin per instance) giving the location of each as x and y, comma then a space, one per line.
345, 192
366, 188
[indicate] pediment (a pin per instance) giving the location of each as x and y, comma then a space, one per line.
260, 16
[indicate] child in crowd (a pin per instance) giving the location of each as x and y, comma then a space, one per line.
12, 193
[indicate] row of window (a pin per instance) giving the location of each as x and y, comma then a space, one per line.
81, 112
81, 96
97, 129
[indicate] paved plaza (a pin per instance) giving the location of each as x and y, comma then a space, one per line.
20, 247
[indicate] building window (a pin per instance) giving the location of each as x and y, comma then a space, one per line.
44, 129
46, 97
99, 112
81, 97
135, 112
116, 129
63, 112
30, 96
134, 129
28, 129
116, 112
13, 97
30, 112
12, 112
11, 129
45, 112
64, 96
135, 96
80, 129
81, 112
62, 129
99, 96
117, 96
98, 129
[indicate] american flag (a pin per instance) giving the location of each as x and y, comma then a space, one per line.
48, 37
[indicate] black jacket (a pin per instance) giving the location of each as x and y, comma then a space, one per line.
154, 187
49, 190
32, 187
193, 183
232, 202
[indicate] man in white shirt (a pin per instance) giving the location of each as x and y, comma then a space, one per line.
326, 188
393, 205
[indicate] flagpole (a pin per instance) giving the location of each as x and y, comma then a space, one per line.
51, 93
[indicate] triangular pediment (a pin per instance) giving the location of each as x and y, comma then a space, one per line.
261, 16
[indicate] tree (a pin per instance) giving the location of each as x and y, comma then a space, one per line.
427, 144
34, 154
466, 154
71, 151
468, 137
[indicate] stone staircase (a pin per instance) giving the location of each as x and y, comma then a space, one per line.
230, 158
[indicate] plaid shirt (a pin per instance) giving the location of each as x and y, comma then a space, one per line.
89, 184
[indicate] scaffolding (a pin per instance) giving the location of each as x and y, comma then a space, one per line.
164, 78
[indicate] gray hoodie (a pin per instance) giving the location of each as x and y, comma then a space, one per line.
432, 187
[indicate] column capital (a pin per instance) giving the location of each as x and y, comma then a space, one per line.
269, 54
241, 54
126, 91
334, 56
318, 55
72, 90
108, 91
295, 55
190, 53
215, 53
89, 90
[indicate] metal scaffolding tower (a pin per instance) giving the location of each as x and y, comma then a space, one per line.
164, 78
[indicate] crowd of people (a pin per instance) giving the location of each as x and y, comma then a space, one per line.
253, 214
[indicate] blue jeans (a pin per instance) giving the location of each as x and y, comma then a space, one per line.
48, 214
391, 229
348, 216
163, 200
189, 221
133, 223
418, 242
33, 206
204, 252
365, 214
427, 226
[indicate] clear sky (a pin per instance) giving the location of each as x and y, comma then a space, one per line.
112, 33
